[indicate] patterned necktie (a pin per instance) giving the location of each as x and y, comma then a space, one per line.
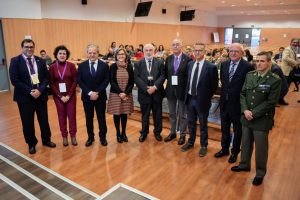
31, 66
194, 83
231, 73
93, 70
176, 65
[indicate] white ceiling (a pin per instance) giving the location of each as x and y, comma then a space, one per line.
236, 7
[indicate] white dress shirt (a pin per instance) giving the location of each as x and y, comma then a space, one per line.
192, 74
95, 67
235, 66
34, 65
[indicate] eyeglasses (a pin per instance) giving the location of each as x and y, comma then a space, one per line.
28, 47
198, 51
121, 54
232, 51
176, 44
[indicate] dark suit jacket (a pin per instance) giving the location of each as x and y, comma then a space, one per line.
277, 56
114, 82
181, 73
141, 80
207, 84
284, 85
87, 83
234, 88
21, 80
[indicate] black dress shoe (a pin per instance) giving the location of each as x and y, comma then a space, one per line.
89, 142
103, 142
158, 138
49, 144
221, 153
119, 139
181, 140
125, 139
32, 150
142, 138
282, 102
257, 181
170, 137
232, 158
237, 169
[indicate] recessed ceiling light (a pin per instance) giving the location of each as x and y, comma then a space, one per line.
280, 2
232, 5
285, 11
223, 1
248, 0
242, 12
255, 4
248, 14
263, 11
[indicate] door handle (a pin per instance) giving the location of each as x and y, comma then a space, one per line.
3, 62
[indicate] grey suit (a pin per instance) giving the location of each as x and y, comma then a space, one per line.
176, 93
48, 60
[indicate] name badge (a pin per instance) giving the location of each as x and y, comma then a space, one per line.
298, 55
62, 87
35, 79
174, 80
150, 78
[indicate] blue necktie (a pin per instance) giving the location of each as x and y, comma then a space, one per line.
149, 63
93, 70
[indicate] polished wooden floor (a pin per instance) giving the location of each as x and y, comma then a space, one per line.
160, 169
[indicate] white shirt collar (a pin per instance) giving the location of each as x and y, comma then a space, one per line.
148, 60
96, 62
28, 57
201, 61
236, 63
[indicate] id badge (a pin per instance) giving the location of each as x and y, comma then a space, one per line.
150, 78
62, 87
174, 80
298, 55
35, 79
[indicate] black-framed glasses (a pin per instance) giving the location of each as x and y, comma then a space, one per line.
28, 47
198, 51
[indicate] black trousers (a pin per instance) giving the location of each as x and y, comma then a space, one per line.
156, 108
27, 111
100, 108
288, 80
228, 117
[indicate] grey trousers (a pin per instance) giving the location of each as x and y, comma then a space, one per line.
172, 102
261, 150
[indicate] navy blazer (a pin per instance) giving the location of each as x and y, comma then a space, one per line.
284, 86
207, 84
234, 88
277, 56
87, 83
21, 80
141, 80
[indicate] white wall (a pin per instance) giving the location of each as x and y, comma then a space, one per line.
259, 21
95, 10
29, 9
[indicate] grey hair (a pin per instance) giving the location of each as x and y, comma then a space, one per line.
181, 43
199, 43
294, 39
91, 46
149, 44
237, 44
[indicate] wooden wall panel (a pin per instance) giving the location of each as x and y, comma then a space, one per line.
192, 34
221, 32
275, 36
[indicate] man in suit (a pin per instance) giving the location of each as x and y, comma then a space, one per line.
46, 58
149, 77
201, 86
30, 77
289, 58
259, 95
232, 75
278, 56
93, 78
176, 74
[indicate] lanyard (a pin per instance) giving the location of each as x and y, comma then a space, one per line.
176, 66
61, 76
148, 68
33, 60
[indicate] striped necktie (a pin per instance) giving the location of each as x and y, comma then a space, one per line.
231, 73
